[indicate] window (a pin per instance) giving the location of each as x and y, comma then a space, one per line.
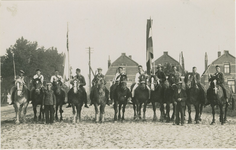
231, 84
226, 68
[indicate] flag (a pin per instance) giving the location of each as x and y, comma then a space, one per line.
149, 47
206, 60
66, 74
182, 56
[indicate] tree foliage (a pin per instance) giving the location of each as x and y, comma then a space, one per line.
28, 56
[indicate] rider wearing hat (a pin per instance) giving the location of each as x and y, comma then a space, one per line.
180, 97
13, 88
176, 74
137, 80
82, 83
219, 76
98, 76
160, 74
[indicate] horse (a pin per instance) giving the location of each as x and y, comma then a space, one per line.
21, 100
156, 93
215, 95
141, 96
60, 98
37, 95
121, 96
75, 97
99, 99
193, 97
168, 87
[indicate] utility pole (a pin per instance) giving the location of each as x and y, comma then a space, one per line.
89, 51
14, 68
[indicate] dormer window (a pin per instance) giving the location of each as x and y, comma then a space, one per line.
227, 68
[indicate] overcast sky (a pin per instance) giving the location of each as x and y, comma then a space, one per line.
112, 27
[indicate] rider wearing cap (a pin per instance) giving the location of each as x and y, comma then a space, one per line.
118, 75
38, 75
56, 77
23, 79
160, 74
219, 77
98, 76
137, 81
176, 74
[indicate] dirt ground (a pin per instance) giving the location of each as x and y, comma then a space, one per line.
130, 134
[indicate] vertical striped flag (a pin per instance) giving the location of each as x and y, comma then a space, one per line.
182, 55
66, 74
149, 47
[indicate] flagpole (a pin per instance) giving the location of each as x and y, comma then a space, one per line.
68, 51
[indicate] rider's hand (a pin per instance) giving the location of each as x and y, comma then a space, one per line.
42, 106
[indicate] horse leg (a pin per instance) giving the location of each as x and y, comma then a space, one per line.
115, 109
78, 113
17, 107
213, 114
96, 113
139, 110
221, 114
74, 115
168, 112
173, 114
200, 112
102, 111
123, 111
225, 114
35, 112
162, 112
135, 110
189, 114
24, 111
119, 116
154, 111
61, 111
144, 111
20, 111
56, 115
196, 113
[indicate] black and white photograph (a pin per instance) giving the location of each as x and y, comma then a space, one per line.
118, 74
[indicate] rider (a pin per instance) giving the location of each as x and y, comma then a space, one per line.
176, 74
38, 75
160, 74
137, 76
82, 83
118, 75
56, 78
23, 79
219, 76
197, 79
98, 76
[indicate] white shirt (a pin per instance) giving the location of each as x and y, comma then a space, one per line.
56, 78
115, 78
39, 77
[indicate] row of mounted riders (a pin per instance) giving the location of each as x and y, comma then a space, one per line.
163, 93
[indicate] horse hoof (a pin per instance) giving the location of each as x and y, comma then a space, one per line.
212, 123
115, 121
122, 121
189, 122
161, 120
199, 119
197, 122
17, 122
144, 120
154, 120
167, 121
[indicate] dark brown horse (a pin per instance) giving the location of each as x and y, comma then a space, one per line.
194, 97
75, 97
37, 98
156, 93
21, 100
169, 88
60, 98
141, 95
99, 99
215, 96
121, 96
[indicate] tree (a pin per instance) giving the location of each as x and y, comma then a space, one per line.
28, 57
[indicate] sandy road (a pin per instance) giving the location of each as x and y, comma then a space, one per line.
130, 134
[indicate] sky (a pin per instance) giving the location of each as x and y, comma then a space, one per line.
112, 27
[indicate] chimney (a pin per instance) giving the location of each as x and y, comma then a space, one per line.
122, 54
219, 53
226, 51
109, 62
130, 56
165, 53
206, 60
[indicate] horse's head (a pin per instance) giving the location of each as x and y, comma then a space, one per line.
154, 81
57, 85
215, 87
75, 85
171, 79
19, 87
143, 81
189, 81
123, 82
38, 85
